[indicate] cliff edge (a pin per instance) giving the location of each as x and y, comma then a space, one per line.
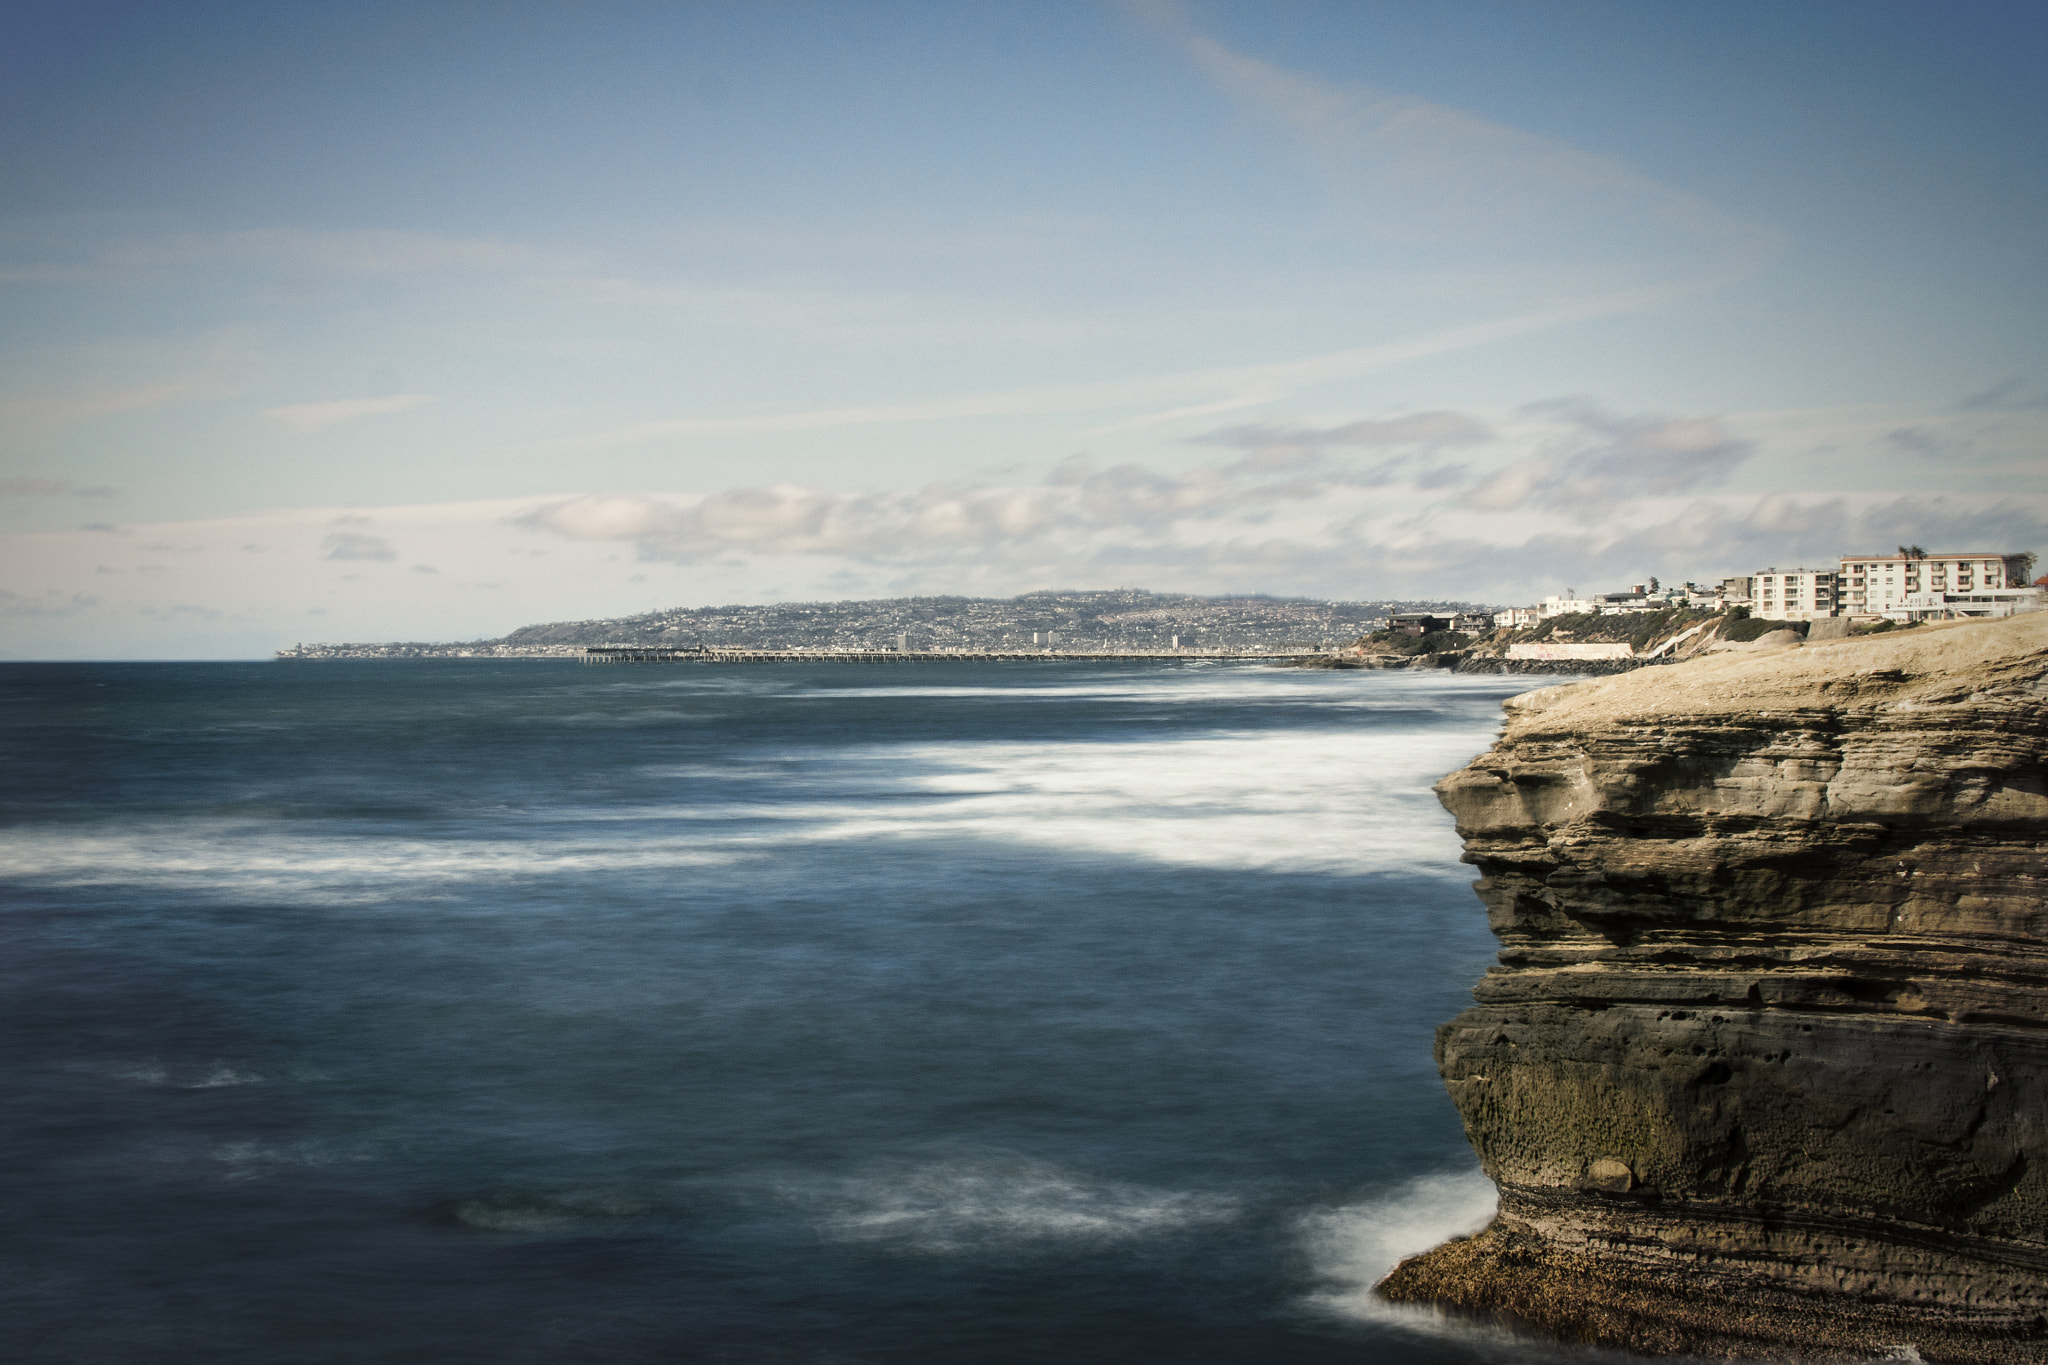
1764, 1066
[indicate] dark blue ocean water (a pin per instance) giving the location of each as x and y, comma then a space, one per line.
518, 1011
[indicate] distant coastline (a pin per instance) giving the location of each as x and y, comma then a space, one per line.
1122, 620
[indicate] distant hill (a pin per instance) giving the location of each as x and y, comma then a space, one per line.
1121, 618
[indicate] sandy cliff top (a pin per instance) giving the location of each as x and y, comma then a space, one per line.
1929, 661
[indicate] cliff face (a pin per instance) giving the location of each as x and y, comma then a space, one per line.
1764, 1065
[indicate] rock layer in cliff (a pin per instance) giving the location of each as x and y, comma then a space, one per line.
1764, 1065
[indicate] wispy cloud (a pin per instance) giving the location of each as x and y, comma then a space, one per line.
51, 603
35, 413
1243, 386
1453, 177
1601, 460
306, 418
358, 251
2008, 392
1422, 428
48, 488
1452, 174
356, 545
1128, 525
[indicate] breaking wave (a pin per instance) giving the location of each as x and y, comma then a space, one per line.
1353, 1248
971, 1204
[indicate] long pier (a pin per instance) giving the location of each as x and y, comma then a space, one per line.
643, 654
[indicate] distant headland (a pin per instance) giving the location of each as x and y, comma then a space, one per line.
1114, 621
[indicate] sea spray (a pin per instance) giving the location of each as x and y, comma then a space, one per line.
991, 1201
1352, 1248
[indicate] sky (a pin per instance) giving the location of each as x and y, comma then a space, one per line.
388, 321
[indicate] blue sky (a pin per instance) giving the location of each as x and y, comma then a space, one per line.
397, 321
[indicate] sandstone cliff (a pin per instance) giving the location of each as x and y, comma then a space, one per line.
1764, 1065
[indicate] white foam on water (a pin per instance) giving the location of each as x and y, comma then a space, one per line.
244, 859
210, 1077
1340, 798
256, 1160
548, 1211
1251, 684
970, 1204
1354, 1247
1331, 795
223, 1075
1330, 801
1334, 800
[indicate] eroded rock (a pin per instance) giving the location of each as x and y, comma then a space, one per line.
1764, 1065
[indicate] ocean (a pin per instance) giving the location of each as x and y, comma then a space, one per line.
509, 1011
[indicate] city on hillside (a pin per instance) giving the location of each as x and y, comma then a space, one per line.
1907, 585
1122, 620
1902, 587
1648, 621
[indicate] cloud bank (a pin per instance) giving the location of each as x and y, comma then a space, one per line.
1440, 502
1495, 506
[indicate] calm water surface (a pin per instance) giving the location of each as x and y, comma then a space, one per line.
517, 1011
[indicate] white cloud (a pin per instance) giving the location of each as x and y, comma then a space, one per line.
1604, 459
1560, 494
1421, 428
1569, 492
306, 418
355, 545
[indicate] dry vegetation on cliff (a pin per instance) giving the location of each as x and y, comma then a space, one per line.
1765, 1063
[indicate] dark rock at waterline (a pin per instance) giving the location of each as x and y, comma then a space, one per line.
1764, 1067
1448, 659
1322, 661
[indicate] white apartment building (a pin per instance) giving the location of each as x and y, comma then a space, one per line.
1945, 606
1569, 606
1794, 594
1873, 584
